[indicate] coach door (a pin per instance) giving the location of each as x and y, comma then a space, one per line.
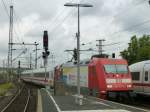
146, 82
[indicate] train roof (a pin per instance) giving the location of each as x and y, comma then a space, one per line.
39, 70
82, 63
140, 65
104, 61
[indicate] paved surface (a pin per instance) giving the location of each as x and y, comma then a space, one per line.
90, 104
39, 104
119, 106
68, 103
47, 103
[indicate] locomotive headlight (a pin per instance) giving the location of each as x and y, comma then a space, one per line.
109, 86
129, 86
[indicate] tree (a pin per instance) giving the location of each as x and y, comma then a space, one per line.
138, 49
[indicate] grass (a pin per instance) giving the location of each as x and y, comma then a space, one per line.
5, 87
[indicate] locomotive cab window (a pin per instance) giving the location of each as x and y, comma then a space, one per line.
146, 75
110, 68
120, 69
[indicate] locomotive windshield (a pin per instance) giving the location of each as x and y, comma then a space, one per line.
116, 69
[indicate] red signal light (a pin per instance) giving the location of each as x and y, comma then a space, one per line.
45, 40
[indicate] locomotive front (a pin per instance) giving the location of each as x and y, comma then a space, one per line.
111, 75
117, 76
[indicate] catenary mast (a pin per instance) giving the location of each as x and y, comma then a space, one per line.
10, 40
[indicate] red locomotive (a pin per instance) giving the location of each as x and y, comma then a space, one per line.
99, 76
108, 75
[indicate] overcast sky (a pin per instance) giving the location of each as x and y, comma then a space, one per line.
113, 20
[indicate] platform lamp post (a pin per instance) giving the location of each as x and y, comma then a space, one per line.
78, 97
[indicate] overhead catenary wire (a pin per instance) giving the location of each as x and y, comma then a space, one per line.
129, 28
17, 22
57, 25
141, 2
15, 17
136, 25
124, 12
57, 16
5, 8
140, 29
7, 12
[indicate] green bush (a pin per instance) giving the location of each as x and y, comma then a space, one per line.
5, 87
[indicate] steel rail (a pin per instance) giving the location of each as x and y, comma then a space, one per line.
28, 99
6, 107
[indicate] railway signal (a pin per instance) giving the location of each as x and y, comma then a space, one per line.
45, 40
46, 52
45, 45
75, 55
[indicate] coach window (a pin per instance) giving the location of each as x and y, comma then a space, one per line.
47, 74
135, 76
146, 75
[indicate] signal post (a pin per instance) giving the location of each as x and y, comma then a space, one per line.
46, 52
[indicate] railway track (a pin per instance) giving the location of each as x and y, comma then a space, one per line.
141, 102
23, 101
27, 103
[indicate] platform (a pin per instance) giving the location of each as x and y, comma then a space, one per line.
90, 104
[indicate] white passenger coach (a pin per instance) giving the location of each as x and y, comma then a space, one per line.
38, 76
141, 77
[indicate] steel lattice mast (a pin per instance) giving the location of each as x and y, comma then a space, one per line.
10, 41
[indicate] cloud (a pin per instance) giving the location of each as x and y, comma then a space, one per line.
98, 22
134, 17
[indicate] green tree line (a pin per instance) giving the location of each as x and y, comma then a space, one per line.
138, 49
